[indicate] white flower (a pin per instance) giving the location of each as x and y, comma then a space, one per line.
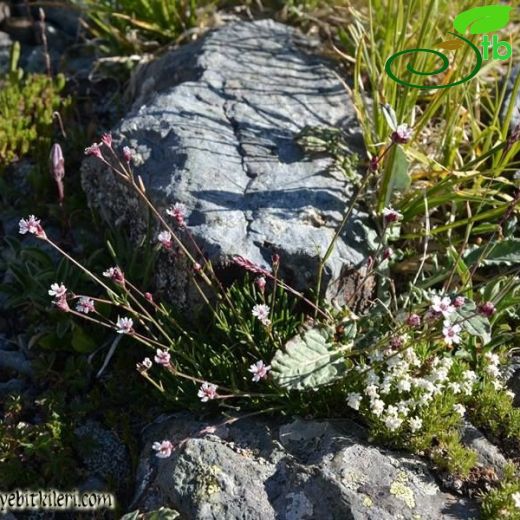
259, 370
207, 391
415, 423
392, 420
469, 376
454, 387
178, 212
31, 225
372, 378
404, 384
165, 238
162, 357
460, 409
164, 449
377, 406
354, 400
516, 499
442, 305
372, 391
386, 387
451, 333
147, 363
493, 371
57, 290
85, 305
497, 385
124, 325
493, 359
510, 394
403, 408
261, 311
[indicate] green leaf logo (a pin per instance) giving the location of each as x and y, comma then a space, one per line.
484, 19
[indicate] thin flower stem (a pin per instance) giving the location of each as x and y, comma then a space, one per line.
84, 269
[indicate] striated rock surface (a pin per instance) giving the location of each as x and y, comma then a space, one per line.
214, 124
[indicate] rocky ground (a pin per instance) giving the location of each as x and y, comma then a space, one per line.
215, 124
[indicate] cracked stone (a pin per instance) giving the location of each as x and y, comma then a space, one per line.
214, 125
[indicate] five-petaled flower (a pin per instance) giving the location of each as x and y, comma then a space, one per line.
259, 370
354, 400
261, 311
460, 409
451, 333
124, 325
107, 139
85, 305
164, 449
402, 134
94, 150
31, 225
178, 212
207, 391
115, 274
57, 290
165, 238
442, 305
391, 215
162, 357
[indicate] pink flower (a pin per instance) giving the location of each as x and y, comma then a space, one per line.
207, 392
165, 238
148, 296
128, 154
451, 333
178, 212
164, 449
459, 301
487, 309
115, 274
442, 305
414, 320
259, 370
261, 311
31, 225
402, 135
162, 357
94, 150
197, 267
388, 253
260, 283
85, 305
62, 303
57, 290
107, 139
124, 325
57, 167
275, 260
373, 165
391, 215
250, 266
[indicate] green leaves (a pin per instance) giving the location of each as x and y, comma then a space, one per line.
479, 20
505, 252
307, 362
396, 177
472, 322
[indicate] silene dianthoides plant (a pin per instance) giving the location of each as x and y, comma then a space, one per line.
407, 359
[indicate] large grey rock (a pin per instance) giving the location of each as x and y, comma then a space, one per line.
261, 469
214, 124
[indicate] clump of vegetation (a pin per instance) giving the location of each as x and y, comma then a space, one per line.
503, 501
27, 105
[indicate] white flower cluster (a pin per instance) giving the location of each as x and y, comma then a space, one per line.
401, 385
